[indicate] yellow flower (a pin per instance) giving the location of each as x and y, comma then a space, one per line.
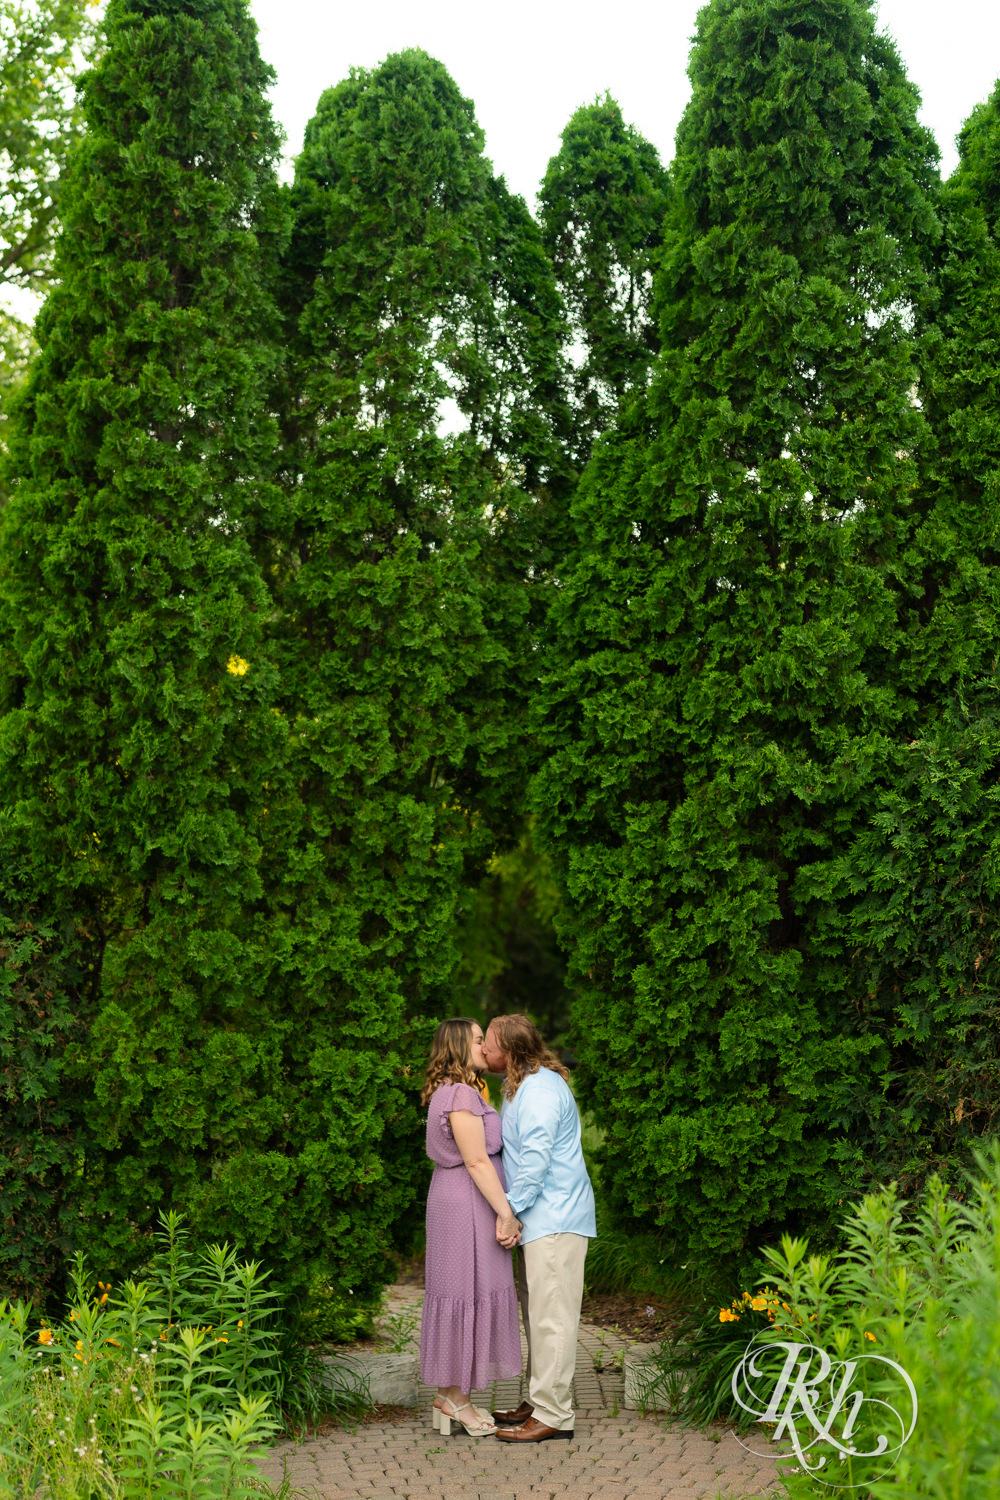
725, 1316
871, 1336
758, 1303
240, 1323
237, 666
45, 1337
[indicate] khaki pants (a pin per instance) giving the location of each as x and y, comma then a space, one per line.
550, 1290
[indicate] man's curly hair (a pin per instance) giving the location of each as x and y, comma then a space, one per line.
522, 1043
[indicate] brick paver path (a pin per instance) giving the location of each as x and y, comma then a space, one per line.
615, 1454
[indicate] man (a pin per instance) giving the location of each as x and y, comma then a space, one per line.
550, 1192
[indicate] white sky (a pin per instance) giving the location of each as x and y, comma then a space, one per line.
528, 66
527, 71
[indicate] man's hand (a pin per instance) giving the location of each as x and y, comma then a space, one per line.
508, 1231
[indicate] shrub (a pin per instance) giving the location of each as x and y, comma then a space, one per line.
159, 1388
338, 1317
42, 1127
722, 687
691, 1376
923, 1286
601, 206
916, 1284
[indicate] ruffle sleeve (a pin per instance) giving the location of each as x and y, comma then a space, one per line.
459, 1096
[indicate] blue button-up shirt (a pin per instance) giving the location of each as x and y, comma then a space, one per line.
547, 1183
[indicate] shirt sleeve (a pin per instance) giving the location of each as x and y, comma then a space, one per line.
538, 1123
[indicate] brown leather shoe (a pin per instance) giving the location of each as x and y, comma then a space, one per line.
532, 1431
515, 1416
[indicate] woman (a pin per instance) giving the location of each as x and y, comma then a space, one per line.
469, 1333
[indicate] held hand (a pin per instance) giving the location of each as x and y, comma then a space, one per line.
508, 1230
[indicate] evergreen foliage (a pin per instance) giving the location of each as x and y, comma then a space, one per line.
39, 119
43, 1117
927, 869
602, 204
41, 47
722, 692
136, 733
509, 957
419, 305
270, 631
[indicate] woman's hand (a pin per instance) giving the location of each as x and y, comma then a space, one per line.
508, 1230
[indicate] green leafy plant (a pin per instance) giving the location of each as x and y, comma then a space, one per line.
691, 1375
43, 1130
920, 1284
329, 1315
396, 1331
162, 1387
315, 1387
605, 1359
618, 1261
915, 1284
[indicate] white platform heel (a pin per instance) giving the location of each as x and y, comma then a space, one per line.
441, 1416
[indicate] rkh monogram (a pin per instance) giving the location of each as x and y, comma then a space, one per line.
817, 1395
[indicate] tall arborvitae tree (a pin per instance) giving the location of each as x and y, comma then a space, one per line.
927, 871
421, 309
723, 686
602, 206
137, 731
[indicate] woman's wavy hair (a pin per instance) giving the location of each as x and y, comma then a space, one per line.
450, 1060
522, 1042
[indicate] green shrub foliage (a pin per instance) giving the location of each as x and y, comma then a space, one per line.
916, 1283
39, 118
602, 204
510, 959
426, 416
290, 550
137, 731
722, 685
42, 1114
925, 872
418, 302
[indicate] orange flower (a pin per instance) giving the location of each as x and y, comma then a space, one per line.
45, 1337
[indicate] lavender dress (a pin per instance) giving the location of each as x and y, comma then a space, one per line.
469, 1334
